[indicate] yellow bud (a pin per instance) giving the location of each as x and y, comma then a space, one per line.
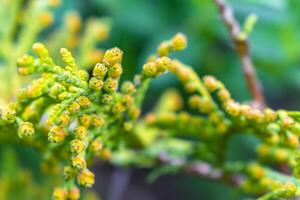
83, 101
80, 132
263, 150
150, 119
77, 146
163, 64
118, 108
35, 89
112, 56
40, 50
106, 99
281, 155
96, 84
85, 120
273, 139
134, 113
211, 83
164, 49
128, 87
127, 100
59, 194
78, 162
97, 121
25, 61
128, 126
292, 141
106, 154
96, 146
54, 3
206, 105
74, 193
57, 134
190, 87
255, 171
9, 115
63, 120
110, 85
216, 117
270, 115
150, 69
69, 172
86, 178
67, 57
74, 107
183, 74
73, 21
46, 18
115, 71
179, 42
82, 74
224, 95
194, 101
99, 70
26, 130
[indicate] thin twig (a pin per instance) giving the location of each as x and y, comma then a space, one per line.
202, 169
242, 48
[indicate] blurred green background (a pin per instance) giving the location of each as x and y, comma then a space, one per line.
138, 26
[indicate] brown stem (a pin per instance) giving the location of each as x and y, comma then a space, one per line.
242, 48
202, 169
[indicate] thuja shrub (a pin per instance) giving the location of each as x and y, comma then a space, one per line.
74, 117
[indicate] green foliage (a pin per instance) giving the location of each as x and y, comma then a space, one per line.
64, 97
73, 114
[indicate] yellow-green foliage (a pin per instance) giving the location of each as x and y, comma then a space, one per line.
21, 24
74, 118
